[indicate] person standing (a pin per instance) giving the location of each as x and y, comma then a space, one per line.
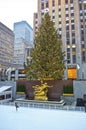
16, 105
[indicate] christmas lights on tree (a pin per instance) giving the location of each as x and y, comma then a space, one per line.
47, 54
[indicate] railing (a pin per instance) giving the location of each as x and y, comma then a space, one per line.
45, 106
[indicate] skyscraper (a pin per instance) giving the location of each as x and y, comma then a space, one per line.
6, 48
23, 41
69, 17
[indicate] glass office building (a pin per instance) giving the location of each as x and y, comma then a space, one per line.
23, 42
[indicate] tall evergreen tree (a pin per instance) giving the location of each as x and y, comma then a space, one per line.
47, 55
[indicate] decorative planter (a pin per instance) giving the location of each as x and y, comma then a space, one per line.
20, 93
68, 94
54, 93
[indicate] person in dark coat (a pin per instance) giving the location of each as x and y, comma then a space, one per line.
16, 105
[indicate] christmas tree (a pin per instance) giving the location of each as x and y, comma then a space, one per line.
47, 56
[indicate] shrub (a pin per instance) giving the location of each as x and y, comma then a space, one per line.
20, 88
68, 89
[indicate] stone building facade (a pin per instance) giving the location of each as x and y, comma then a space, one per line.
69, 17
6, 48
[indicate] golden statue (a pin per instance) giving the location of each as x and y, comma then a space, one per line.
40, 91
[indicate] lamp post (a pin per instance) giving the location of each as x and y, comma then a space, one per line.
29, 61
66, 69
8, 71
78, 68
0, 73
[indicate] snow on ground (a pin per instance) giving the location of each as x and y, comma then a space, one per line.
40, 119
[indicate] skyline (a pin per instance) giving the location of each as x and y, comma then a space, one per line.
12, 11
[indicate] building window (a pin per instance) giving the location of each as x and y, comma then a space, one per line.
74, 49
8, 96
68, 55
42, 13
53, 11
72, 73
81, 14
53, 17
60, 36
67, 21
2, 97
73, 41
68, 50
81, 20
59, 9
74, 58
46, 3
68, 41
59, 22
53, 2
67, 35
72, 21
82, 26
73, 34
53, 22
83, 45
83, 56
42, 5
67, 12
68, 61
67, 27
60, 29
71, 8
71, 1
66, 1
80, 6
36, 28
36, 22
59, 2
84, 6
72, 14
36, 15
66, 9
67, 15
59, 16
84, 13
82, 37
72, 27
68, 58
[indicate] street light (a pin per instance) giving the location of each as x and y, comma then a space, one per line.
78, 68
0, 72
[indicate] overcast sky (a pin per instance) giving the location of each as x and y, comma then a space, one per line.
12, 11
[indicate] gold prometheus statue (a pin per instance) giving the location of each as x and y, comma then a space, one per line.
40, 91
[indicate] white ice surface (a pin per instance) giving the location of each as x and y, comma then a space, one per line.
40, 119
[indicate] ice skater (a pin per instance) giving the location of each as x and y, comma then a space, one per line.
17, 106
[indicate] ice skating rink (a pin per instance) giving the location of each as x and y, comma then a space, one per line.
40, 119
